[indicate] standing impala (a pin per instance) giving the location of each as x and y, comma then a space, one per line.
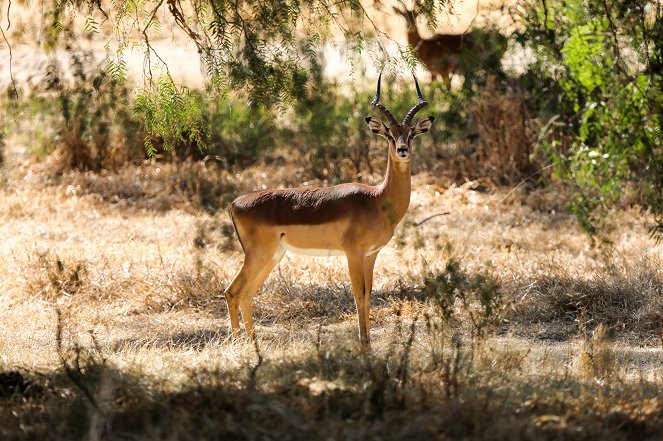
355, 220
440, 53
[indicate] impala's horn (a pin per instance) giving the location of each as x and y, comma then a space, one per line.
420, 105
376, 103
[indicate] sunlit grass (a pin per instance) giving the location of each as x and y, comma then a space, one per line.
139, 292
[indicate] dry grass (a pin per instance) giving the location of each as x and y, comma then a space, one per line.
506, 136
112, 325
134, 265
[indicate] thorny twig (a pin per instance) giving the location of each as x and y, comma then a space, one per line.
11, 55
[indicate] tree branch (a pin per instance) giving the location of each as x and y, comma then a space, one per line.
11, 55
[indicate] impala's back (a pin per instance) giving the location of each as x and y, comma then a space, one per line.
314, 221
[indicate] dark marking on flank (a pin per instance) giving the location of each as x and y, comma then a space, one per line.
304, 206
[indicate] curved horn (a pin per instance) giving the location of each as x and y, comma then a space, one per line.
375, 103
420, 105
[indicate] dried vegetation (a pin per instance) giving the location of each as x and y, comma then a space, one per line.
493, 318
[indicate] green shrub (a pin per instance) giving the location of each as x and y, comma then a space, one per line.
238, 133
195, 124
478, 295
90, 114
172, 116
482, 57
330, 134
603, 59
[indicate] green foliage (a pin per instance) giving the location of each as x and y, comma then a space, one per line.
198, 124
171, 114
604, 57
271, 49
237, 132
330, 133
92, 116
585, 57
482, 57
479, 295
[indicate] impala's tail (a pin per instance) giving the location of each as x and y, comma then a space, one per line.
232, 217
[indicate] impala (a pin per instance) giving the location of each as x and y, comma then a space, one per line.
355, 220
440, 53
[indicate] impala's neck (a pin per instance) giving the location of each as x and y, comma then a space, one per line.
395, 190
413, 37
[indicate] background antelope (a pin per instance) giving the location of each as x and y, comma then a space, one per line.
440, 53
355, 220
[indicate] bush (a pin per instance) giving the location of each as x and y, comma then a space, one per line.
197, 125
604, 61
482, 59
506, 138
330, 134
238, 132
478, 295
95, 126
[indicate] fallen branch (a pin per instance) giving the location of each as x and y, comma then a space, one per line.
442, 213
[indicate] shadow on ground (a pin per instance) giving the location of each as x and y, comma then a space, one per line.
341, 394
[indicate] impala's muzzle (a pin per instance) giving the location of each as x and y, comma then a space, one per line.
402, 151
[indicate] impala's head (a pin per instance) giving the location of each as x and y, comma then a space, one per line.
409, 15
399, 136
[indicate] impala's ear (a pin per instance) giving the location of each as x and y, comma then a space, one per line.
422, 126
377, 126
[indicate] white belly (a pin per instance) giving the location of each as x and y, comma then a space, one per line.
373, 251
311, 251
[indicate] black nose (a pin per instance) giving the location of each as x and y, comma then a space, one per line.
401, 151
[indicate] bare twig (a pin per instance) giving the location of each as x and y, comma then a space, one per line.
613, 30
476, 14
174, 6
432, 216
11, 55
253, 375
150, 48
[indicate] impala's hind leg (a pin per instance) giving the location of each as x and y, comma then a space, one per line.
260, 249
232, 299
246, 302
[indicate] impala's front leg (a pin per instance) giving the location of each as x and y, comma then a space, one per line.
356, 269
369, 263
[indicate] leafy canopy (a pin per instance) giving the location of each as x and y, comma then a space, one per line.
606, 58
272, 49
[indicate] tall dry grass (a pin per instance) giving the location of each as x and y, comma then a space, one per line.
113, 326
